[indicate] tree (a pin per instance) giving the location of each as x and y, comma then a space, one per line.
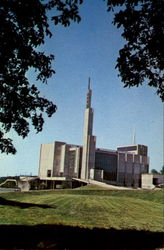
154, 171
142, 57
162, 170
24, 25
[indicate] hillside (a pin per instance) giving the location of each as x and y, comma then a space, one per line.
88, 208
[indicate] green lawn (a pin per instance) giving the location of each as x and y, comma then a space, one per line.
87, 207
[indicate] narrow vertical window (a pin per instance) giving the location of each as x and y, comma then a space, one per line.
48, 173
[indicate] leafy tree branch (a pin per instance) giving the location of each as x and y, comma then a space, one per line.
141, 60
24, 25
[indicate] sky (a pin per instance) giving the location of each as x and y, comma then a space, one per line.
90, 49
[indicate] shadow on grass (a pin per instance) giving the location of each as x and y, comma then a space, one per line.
6, 202
73, 238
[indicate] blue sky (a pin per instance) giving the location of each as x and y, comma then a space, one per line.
90, 49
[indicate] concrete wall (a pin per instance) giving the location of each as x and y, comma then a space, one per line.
130, 168
24, 185
121, 169
46, 159
137, 171
99, 175
61, 159
87, 140
57, 158
52, 159
147, 181
91, 154
77, 161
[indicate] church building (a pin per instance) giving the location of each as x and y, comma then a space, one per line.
66, 164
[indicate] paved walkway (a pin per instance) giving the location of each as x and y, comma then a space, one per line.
108, 186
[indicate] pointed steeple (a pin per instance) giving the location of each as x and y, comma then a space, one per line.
88, 83
89, 141
89, 95
134, 137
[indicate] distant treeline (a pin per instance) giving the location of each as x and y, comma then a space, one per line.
154, 171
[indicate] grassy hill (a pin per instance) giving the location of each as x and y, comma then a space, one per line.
87, 207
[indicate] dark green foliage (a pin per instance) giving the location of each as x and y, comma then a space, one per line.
162, 170
154, 171
142, 57
67, 10
2, 179
23, 27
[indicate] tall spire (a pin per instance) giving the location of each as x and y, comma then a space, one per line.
89, 83
89, 95
89, 141
134, 137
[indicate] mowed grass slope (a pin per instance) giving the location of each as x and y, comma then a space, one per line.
87, 207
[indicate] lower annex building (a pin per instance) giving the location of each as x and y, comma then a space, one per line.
62, 163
